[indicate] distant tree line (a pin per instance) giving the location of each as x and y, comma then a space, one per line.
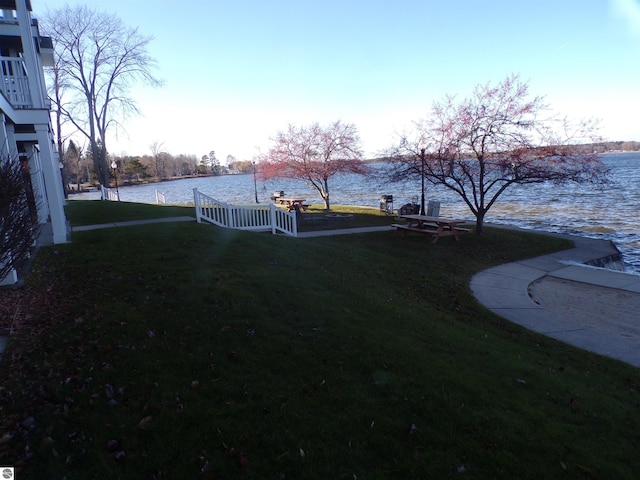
78, 167
619, 146
239, 166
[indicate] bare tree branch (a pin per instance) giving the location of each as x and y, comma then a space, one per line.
314, 154
480, 146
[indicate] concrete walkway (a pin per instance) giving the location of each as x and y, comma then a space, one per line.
84, 228
592, 308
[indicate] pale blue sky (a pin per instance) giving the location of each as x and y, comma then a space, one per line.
238, 71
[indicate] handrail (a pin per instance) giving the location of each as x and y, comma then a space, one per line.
259, 217
109, 194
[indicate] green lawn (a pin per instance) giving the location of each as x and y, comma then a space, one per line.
316, 218
189, 351
94, 212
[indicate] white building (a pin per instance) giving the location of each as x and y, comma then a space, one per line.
25, 125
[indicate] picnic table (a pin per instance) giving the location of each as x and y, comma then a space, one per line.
435, 226
290, 203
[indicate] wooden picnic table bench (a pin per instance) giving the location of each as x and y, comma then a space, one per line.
290, 203
435, 226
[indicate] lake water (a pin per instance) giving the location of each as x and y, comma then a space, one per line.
605, 212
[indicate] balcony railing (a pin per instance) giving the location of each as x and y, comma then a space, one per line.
15, 83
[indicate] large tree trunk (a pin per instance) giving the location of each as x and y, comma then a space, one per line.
479, 222
325, 194
99, 165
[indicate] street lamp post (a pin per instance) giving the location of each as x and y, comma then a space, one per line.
255, 184
114, 165
422, 210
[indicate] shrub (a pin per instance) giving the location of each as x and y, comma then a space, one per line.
18, 217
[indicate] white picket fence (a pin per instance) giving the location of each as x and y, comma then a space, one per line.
161, 198
260, 217
110, 194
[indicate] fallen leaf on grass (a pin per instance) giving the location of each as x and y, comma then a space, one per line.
145, 422
113, 445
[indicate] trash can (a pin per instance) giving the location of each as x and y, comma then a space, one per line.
386, 204
433, 209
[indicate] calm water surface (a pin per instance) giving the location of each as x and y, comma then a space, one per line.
607, 212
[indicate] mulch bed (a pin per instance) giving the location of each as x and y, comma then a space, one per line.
13, 308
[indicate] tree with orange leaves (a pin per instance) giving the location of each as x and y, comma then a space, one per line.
314, 154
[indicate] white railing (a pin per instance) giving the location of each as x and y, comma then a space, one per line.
110, 194
15, 83
161, 199
259, 217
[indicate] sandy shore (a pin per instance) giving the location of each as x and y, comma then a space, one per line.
606, 310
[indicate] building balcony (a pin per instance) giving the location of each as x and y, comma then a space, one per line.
14, 83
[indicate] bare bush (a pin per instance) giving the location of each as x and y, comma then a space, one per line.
18, 219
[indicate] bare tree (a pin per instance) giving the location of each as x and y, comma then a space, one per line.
314, 154
480, 146
98, 60
157, 152
18, 217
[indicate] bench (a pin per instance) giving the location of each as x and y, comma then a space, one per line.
432, 229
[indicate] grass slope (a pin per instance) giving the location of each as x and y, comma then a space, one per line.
189, 351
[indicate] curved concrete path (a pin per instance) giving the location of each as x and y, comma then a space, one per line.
592, 308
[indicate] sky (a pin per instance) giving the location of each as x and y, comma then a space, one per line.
235, 72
